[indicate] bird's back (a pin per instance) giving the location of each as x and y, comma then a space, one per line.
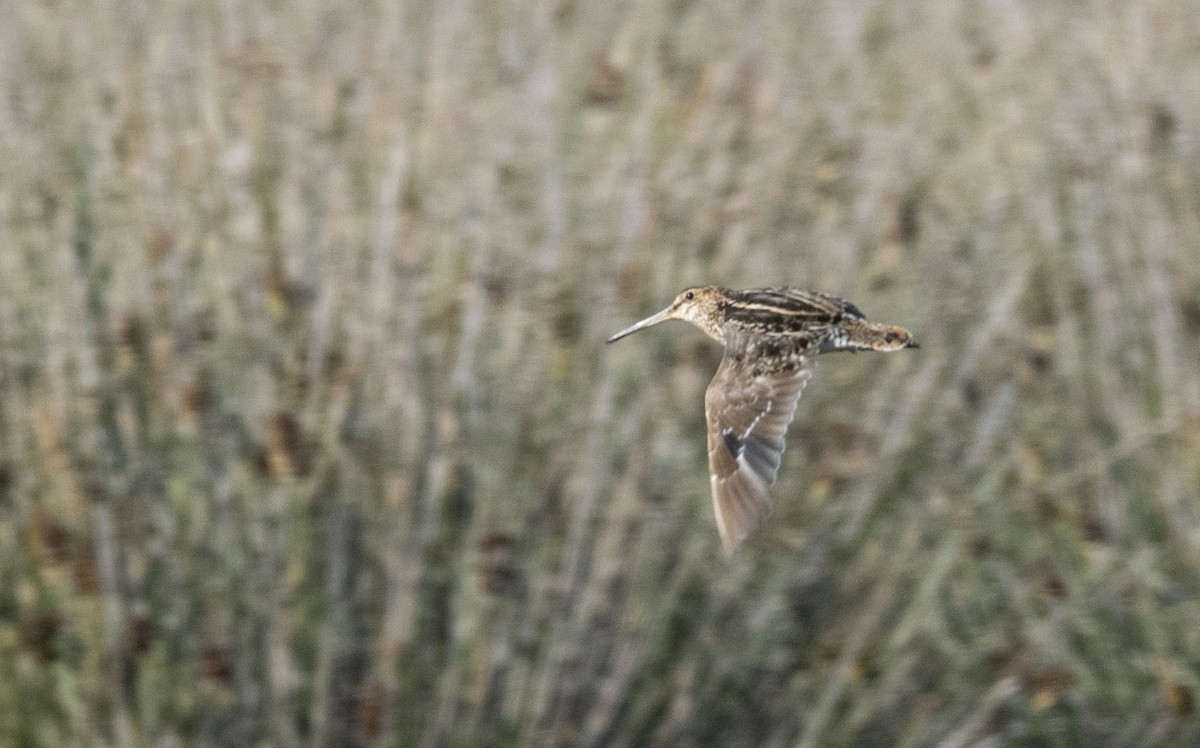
786, 311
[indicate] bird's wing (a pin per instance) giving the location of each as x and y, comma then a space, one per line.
748, 405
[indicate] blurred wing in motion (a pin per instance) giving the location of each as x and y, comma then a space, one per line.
748, 405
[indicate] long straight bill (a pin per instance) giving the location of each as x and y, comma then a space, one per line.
662, 316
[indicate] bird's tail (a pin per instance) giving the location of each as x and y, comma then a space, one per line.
861, 335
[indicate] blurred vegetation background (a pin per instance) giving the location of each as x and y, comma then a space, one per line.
308, 434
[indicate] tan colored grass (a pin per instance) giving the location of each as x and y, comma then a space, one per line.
301, 369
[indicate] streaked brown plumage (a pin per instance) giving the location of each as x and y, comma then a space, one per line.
770, 335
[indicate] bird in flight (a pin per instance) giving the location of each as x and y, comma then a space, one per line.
770, 336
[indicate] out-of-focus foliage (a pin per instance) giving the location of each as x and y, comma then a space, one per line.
308, 433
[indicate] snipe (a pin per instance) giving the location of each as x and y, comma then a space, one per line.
770, 336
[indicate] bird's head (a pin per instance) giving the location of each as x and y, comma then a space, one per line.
698, 305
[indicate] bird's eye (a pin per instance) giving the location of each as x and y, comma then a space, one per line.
689, 296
